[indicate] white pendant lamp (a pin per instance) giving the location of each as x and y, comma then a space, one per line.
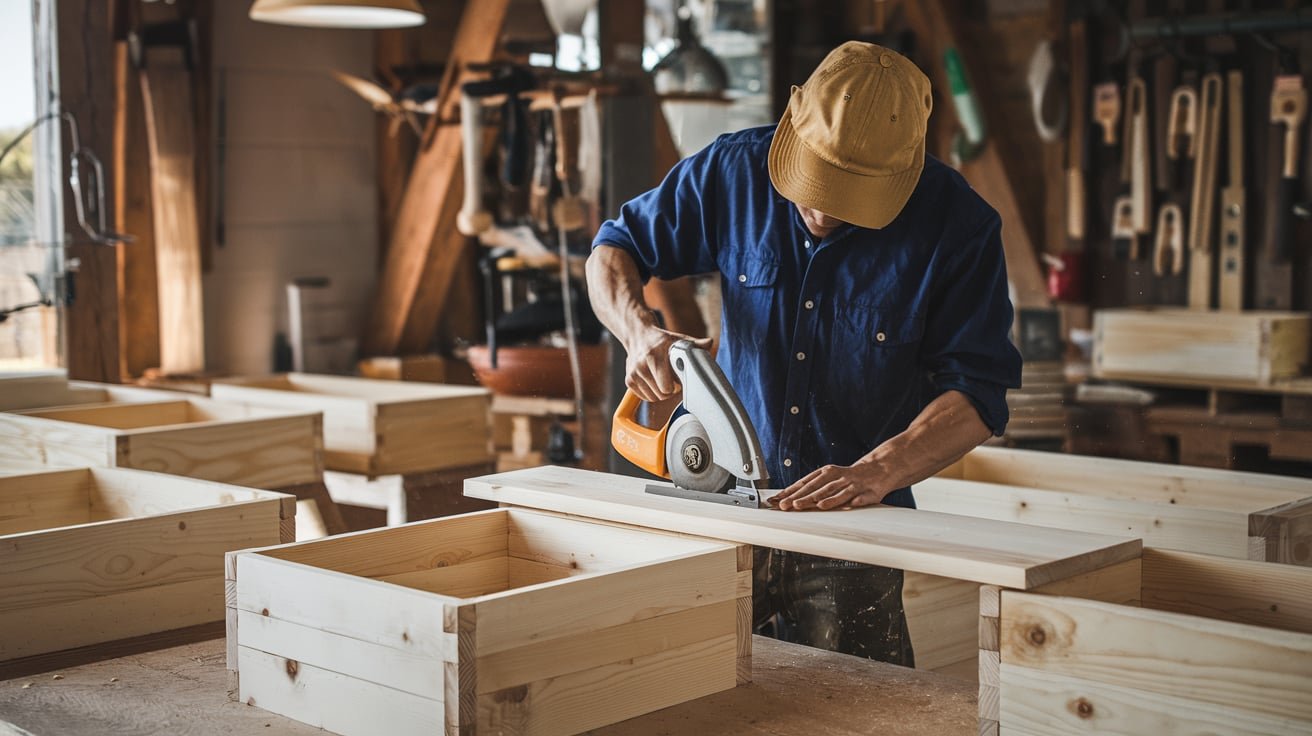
339, 13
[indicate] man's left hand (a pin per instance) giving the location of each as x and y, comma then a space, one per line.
834, 486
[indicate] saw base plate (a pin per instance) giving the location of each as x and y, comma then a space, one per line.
732, 497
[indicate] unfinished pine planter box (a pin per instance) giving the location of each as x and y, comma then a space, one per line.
1212, 646
503, 621
1256, 347
90, 556
377, 427
195, 437
1226, 513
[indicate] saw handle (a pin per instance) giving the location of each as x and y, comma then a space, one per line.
642, 446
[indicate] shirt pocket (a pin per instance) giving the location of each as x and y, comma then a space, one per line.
748, 296
876, 358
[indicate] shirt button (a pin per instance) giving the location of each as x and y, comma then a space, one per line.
742, 278
808, 244
809, 304
801, 356
794, 410
880, 337
788, 463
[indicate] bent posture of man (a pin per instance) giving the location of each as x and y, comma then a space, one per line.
865, 325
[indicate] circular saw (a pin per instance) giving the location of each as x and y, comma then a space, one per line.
708, 447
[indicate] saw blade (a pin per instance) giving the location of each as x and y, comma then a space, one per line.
690, 459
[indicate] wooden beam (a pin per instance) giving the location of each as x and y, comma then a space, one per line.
425, 246
987, 172
980, 550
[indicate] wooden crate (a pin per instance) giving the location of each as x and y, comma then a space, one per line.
379, 427
195, 437
1257, 347
503, 621
90, 556
1225, 513
1213, 646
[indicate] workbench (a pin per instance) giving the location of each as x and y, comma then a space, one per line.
795, 690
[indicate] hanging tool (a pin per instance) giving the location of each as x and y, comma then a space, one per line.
1182, 135
708, 447
1137, 153
472, 218
1233, 213
1288, 109
1125, 239
1168, 249
1107, 110
1075, 202
1202, 202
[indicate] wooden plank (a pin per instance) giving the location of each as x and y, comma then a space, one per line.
980, 550
410, 620
425, 244
117, 493
563, 655
565, 543
1120, 583
518, 618
942, 616
569, 704
1177, 485
387, 666
1157, 524
1047, 704
1226, 664
269, 452
1242, 591
53, 567
44, 501
333, 701
170, 129
466, 580
110, 617
411, 548
28, 440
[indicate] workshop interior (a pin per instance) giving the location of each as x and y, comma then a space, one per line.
314, 415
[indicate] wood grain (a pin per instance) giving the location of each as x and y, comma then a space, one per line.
1242, 591
980, 550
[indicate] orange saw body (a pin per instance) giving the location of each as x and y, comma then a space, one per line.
708, 447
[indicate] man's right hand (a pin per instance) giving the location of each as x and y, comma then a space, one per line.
647, 369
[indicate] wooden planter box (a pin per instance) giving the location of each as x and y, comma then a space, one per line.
503, 621
1226, 513
380, 427
1256, 347
1217, 646
90, 556
195, 437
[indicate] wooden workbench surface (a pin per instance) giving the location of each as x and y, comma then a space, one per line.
182, 691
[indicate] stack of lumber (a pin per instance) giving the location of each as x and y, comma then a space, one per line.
504, 621
1038, 407
93, 556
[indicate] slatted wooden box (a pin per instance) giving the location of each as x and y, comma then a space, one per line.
1217, 646
503, 621
1220, 512
378, 427
195, 437
89, 556
1258, 347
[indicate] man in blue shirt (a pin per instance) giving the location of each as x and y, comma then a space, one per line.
866, 317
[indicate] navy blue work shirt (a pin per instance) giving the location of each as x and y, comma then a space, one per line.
833, 345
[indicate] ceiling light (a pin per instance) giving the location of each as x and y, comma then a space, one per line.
339, 13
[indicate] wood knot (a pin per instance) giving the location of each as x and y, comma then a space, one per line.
1083, 708
1274, 608
405, 636
1024, 504
1038, 636
293, 667
264, 612
182, 526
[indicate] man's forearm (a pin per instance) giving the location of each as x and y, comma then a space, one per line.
946, 429
615, 289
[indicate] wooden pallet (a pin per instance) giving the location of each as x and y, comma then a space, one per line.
501, 621
379, 427
90, 557
1190, 644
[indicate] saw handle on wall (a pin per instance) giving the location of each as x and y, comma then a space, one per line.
642, 446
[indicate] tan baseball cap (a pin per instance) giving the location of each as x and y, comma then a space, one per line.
852, 142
